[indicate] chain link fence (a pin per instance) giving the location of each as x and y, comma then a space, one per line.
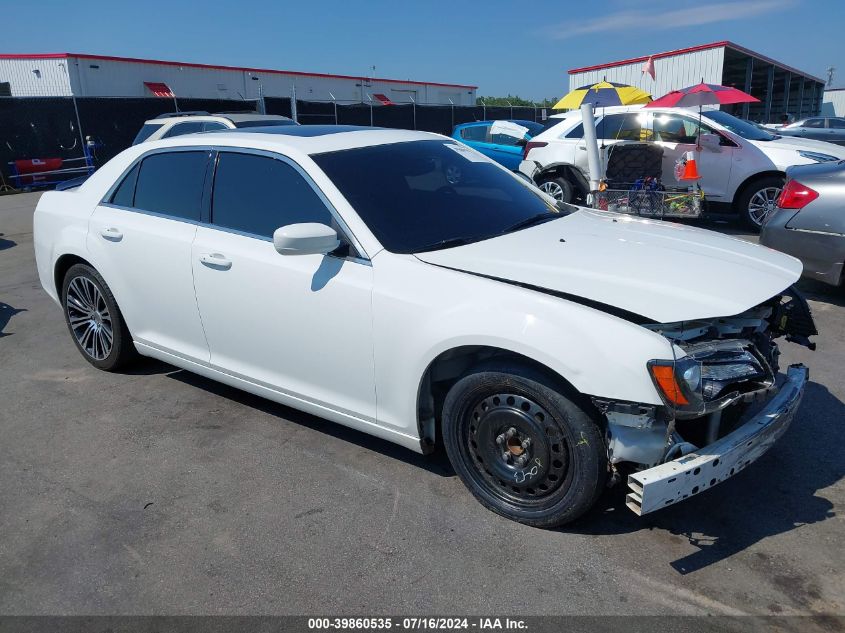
59, 127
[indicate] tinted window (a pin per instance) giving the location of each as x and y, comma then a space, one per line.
124, 195
258, 194
477, 133
188, 127
813, 123
210, 126
423, 195
146, 131
172, 183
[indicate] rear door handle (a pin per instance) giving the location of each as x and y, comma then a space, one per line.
111, 234
216, 260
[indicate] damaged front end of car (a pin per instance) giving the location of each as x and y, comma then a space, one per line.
724, 403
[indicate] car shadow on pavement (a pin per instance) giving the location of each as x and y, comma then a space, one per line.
4, 243
821, 292
437, 464
774, 495
6, 314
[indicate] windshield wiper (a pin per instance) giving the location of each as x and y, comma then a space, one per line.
531, 221
449, 243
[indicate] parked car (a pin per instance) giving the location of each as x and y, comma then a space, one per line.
740, 164
500, 140
830, 129
405, 285
178, 123
809, 222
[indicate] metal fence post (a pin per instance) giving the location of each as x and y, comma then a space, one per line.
79, 124
414, 111
334, 103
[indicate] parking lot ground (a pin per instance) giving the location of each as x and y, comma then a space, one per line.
156, 491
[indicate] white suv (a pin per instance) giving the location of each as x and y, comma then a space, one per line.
740, 164
178, 123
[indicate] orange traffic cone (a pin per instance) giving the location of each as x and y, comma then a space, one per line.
690, 168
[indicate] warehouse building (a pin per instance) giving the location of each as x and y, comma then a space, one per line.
780, 88
834, 102
83, 75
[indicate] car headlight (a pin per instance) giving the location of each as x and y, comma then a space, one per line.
817, 156
695, 384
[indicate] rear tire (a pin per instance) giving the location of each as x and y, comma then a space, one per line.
756, 201
523, 446
94, 320
558, 188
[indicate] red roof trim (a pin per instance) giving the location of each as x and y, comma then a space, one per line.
138, 60
693, 49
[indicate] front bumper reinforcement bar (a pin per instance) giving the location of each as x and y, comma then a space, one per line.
696, 472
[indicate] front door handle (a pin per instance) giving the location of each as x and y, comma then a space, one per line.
216, 260
111, 234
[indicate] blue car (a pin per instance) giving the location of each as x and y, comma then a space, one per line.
500, 140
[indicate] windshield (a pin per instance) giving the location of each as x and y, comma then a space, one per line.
424, 195
738, 126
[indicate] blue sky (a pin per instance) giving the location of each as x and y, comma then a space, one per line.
522, 48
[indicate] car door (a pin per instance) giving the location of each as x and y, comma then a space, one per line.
507, 140
301, 325
678, 134
811, 128
477, 136
140, 239
836, 131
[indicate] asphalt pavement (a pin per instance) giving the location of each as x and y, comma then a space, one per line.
156, 491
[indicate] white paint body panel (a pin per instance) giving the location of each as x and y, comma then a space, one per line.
723, 172
351, 340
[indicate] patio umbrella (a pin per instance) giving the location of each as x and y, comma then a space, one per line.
603, 94
701, 95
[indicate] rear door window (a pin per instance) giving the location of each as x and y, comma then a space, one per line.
258, 194
171, 183
476, 133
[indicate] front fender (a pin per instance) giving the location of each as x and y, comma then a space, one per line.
421, 310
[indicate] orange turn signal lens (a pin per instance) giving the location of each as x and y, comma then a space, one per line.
664, 376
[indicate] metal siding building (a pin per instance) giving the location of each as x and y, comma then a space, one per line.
82, 75
779, 87
834, 102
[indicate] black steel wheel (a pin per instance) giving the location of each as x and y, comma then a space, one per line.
94, 320
522, 446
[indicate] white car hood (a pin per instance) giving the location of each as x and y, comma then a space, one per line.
797, 144
665, 272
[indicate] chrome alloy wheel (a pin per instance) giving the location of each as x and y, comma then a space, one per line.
518, 453
89, 318
763, 203
553, 189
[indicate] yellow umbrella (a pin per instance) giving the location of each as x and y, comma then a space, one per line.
603, 94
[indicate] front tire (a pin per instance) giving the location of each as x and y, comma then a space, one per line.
94, 320
757, 200
522, 446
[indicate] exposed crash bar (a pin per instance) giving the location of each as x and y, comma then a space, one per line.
679, 479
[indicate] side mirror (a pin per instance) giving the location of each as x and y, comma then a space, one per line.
308, 238
711, 142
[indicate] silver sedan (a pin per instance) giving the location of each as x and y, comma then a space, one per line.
809, 221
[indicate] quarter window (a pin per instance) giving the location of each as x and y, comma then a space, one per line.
259, 194
124, 195
171, 183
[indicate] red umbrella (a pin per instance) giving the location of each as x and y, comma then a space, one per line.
700, 95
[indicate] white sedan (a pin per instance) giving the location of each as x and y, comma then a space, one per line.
404, 285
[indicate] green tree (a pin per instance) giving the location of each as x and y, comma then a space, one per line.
514, 100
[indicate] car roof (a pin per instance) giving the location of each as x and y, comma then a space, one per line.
234, 117
307, 139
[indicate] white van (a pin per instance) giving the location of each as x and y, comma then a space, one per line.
739, 164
